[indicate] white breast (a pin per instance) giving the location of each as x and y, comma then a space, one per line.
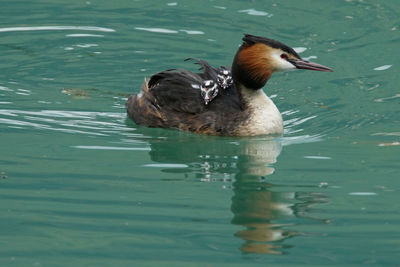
265, 117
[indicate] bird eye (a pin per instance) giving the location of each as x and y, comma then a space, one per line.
284, 56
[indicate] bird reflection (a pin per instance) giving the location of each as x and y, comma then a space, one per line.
256, 205
255, 208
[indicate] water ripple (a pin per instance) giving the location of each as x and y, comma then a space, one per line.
56, 28
384, 67
66, 121
4, 88
254, 12
166, 165
362, 194
158, 30
84, 35
163, 30
114, 148
301, 139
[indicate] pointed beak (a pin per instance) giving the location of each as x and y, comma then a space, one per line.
307, 65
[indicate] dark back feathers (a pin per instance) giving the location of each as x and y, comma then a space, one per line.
179, 90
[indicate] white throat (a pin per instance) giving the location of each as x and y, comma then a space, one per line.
264, 117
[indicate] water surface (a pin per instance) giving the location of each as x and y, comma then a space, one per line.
82, 185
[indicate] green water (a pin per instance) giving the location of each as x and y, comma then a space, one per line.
82, 185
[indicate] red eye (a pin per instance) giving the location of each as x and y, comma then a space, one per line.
284, 56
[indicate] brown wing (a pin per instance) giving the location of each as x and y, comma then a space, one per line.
177, 90
167, 100
171, 99
143, 110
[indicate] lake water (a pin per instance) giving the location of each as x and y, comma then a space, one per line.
82, 185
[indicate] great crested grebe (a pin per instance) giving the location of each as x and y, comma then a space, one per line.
219, 101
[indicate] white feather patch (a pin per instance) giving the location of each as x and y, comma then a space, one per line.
279, 63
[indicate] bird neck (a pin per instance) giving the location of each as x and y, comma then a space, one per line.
263, 117
249, 97
250, 68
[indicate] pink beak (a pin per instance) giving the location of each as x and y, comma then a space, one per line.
307, 65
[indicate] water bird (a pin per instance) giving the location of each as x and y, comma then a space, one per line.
219, 101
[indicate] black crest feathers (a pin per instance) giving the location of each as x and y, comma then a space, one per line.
252, 39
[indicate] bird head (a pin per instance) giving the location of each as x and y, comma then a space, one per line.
259, 57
